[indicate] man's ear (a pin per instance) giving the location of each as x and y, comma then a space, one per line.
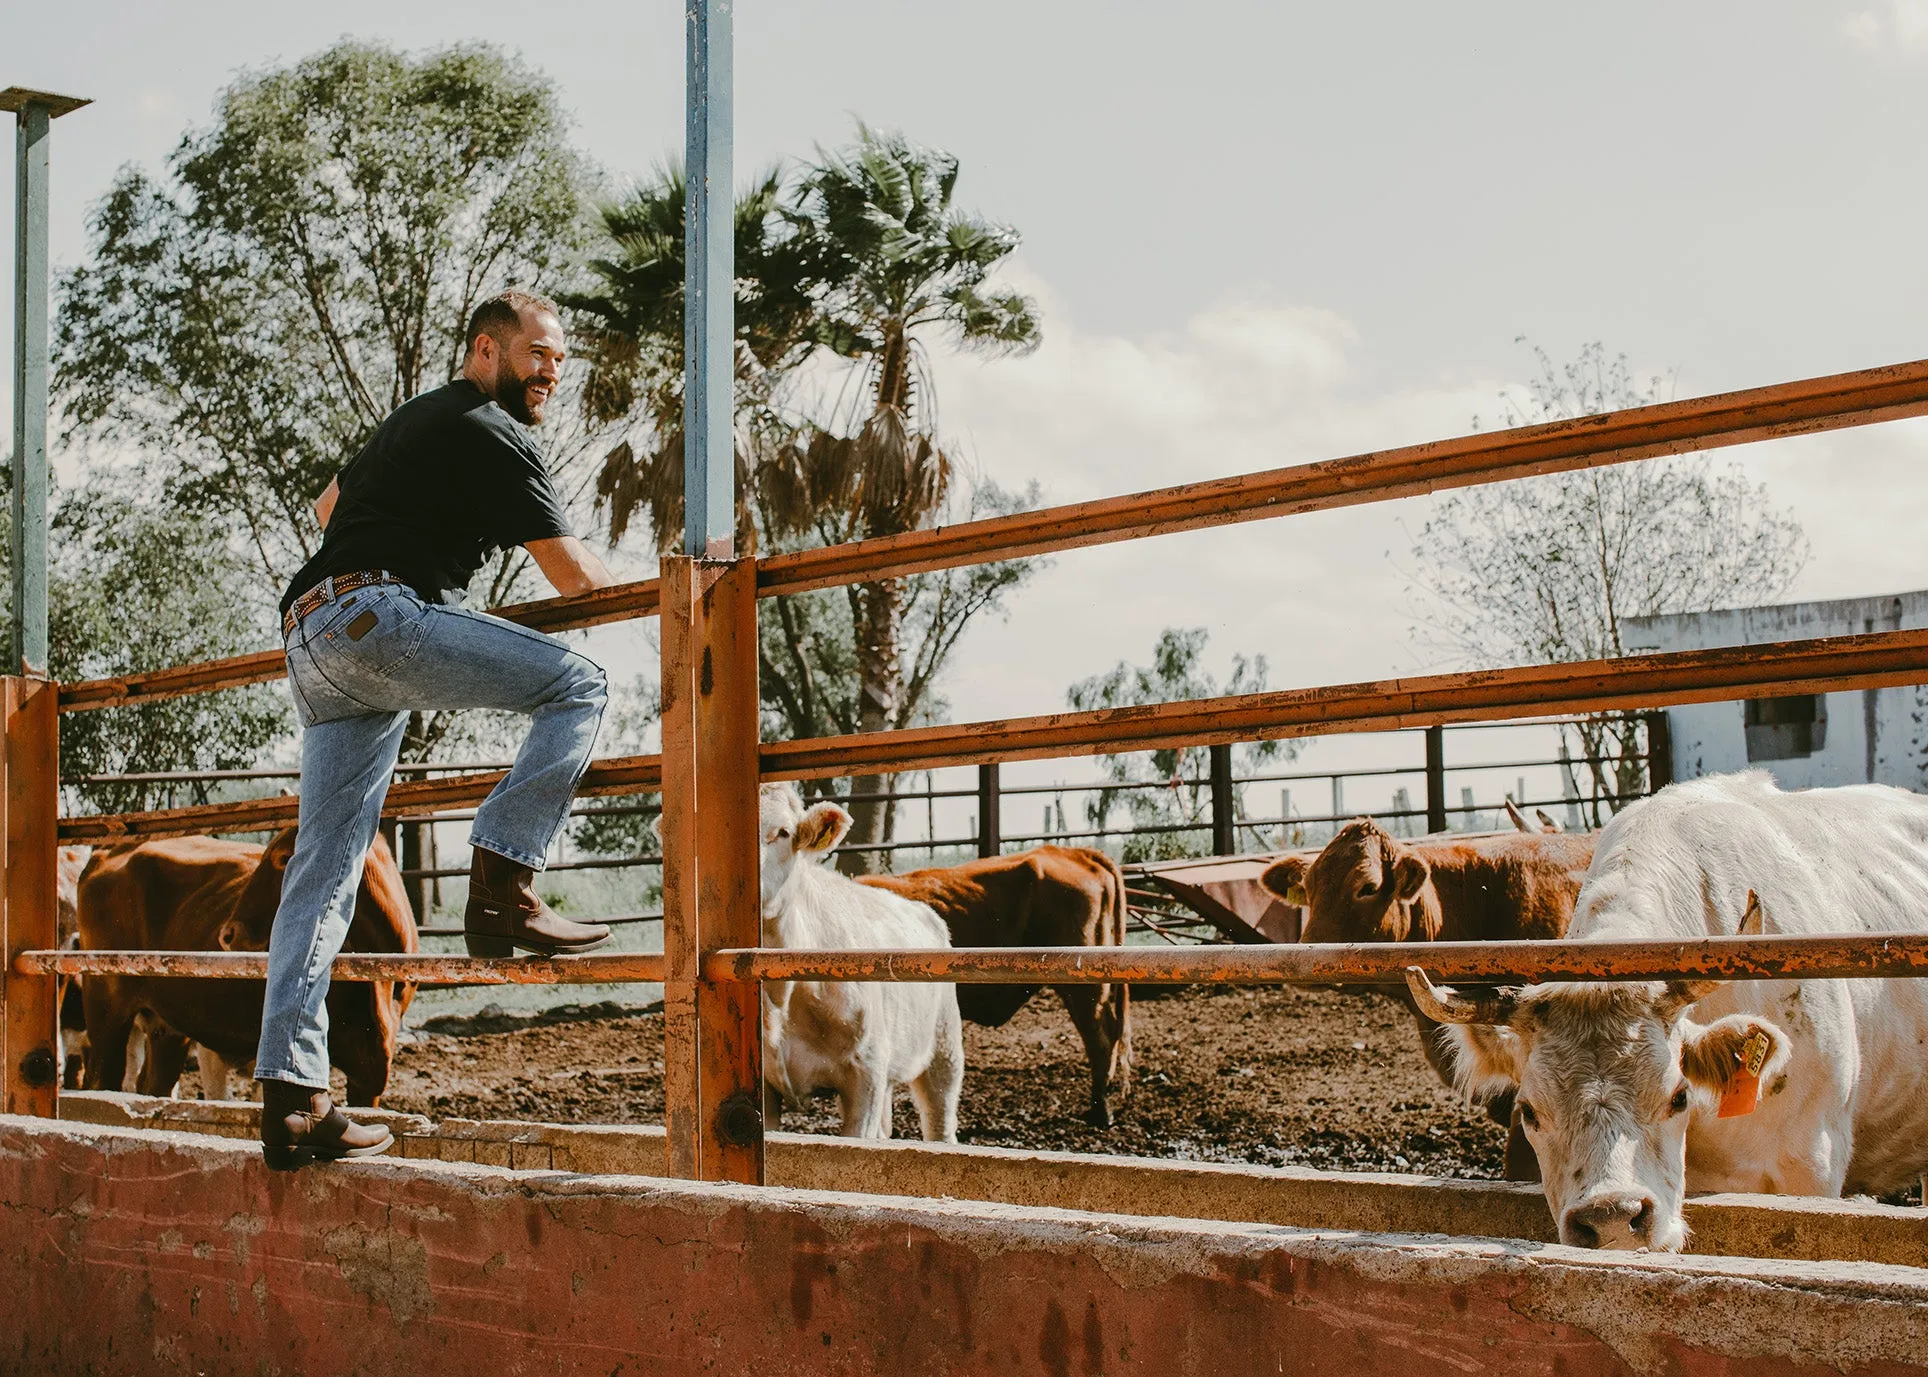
1409, 876
822, 828
1733, 1057
1285, 880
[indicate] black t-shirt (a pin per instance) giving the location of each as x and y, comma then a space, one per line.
448, 479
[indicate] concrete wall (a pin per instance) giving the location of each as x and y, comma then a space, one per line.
1873, 735
164, 1253
1780, 1227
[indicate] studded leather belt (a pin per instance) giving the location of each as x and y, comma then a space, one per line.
327, 591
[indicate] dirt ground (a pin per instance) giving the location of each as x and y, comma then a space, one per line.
1265, 1075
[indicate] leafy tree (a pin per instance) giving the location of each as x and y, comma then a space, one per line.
1548, 569
307, 264
304, 265
1180, 793
137, 586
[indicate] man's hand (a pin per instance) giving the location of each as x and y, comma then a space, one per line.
325, 504
569, 565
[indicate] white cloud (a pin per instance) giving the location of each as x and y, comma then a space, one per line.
1250, 384
1897, 25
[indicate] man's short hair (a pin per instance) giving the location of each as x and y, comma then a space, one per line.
500, 317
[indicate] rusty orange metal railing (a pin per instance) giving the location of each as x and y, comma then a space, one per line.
710, 763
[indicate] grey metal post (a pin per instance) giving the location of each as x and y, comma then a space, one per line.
33, 112
1435, 779
1224, 803
709, 292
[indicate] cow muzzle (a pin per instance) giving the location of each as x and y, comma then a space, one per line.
1612, 1221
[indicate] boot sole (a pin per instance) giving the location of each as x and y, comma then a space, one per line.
282, 1158
485, 944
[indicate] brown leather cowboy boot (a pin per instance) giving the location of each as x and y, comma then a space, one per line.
504, 913
299, 1124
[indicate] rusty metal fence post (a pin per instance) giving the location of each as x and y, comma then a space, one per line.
29, 898
1435, 778
1660, 751
1224, 801
712, 1032
990, 837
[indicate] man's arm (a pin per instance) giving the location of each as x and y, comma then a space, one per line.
569, 565
325, 504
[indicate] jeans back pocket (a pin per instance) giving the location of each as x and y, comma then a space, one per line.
381, 637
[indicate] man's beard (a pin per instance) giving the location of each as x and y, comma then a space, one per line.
512, 393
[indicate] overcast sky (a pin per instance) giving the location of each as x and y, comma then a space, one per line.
1260, 234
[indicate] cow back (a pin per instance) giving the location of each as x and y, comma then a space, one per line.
1509, 888
170, 895
1049, 896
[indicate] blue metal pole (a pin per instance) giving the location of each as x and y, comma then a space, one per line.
33, 112
709, 292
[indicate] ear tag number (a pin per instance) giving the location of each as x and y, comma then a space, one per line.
1742, 1093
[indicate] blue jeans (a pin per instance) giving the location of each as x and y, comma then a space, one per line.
358, 666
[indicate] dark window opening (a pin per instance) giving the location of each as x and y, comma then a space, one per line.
1785, 728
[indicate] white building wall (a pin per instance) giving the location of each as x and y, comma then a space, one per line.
1872, 735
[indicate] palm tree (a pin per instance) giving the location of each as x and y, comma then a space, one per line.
630, 323
865, 259
876, 223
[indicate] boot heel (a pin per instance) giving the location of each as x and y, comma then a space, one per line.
282, 1158
486, 944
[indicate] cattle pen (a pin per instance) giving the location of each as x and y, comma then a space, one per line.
533, 1247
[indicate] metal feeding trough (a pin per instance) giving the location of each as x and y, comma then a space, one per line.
1226, 893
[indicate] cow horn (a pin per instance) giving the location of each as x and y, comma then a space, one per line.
1494, 1007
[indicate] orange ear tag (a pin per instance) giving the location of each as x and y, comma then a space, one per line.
1742, 1093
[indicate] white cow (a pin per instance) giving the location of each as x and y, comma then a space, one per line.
859, 1039
1620, 1086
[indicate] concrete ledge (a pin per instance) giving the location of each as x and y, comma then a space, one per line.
164, 1252
1784, 1227
222, 1118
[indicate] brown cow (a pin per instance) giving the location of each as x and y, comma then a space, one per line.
1049, 896
202, 894
1368, 886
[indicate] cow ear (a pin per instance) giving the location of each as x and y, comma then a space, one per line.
1409, 876
1485, 1059
822, 828
1285, 880
1733, 1057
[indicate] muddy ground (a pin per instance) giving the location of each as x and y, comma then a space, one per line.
1267, 1075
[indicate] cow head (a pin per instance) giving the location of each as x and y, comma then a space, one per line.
1607, 1079
248, 927
1364, 887
790, 834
